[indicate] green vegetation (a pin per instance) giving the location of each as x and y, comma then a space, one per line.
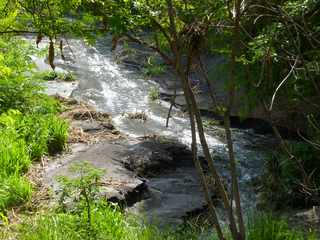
265, 227
29, 127
110, 223
88, 217
211, 123
152, 68
56, 76
154, 94
283, 180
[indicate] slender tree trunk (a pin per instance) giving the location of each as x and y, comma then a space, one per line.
219, 184
172, 103
231, 95
194, 111
201, 175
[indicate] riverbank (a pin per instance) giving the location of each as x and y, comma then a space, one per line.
131, 168
147, 171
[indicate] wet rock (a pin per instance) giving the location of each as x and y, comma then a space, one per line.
172, 196
92, 126
151, 157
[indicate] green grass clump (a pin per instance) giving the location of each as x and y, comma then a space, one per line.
14, 190
25, 138
56, 76
265, 227
58, 134
154, 94
14, 157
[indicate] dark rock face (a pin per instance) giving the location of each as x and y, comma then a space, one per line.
152, 157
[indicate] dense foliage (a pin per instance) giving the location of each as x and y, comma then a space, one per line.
29, 127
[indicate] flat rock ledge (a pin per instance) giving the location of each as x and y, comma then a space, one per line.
125, 162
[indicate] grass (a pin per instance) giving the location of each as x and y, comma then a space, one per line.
88, 217
154, 94
265, 227
25, 138
56, 76
29, 127
14, 190
109, 222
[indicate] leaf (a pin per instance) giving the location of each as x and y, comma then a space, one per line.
61, 50
51, 54
39, 39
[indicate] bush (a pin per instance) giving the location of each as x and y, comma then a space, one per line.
283, 180
29, 127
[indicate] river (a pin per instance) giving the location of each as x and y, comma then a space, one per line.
113, 88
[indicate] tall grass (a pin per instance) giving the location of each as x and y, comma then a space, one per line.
14, 190
265, 227
29, 127
25, 138
110, 223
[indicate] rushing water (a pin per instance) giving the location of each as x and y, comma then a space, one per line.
117, 90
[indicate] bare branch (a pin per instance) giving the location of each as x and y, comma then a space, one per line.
281, 83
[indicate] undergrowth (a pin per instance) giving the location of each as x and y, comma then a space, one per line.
29, 127
88, 217
283, 182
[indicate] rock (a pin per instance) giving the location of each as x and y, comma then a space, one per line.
172, 196
151, 157
122, 185
92, 126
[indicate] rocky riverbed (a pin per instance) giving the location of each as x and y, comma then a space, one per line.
152, 176
161, 177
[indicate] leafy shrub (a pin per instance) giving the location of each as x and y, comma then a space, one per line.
283, 179
17, 85
17, 92
29, 127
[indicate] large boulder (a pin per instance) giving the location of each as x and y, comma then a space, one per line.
154, 156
